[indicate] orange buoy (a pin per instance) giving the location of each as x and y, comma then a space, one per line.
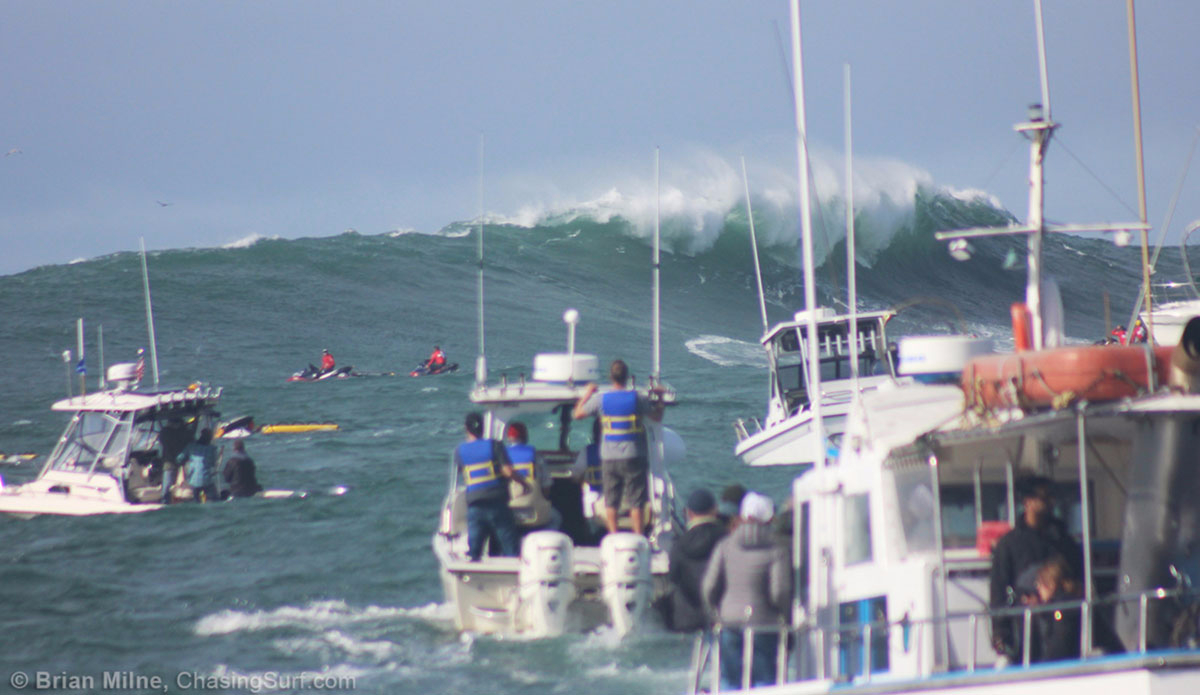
1057, 377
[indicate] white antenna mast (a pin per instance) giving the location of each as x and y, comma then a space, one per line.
656, 372
1135, 96
810, 288
81, 366
481, 360
851, 274
762, 302
149, 315
100, 339
1038, 130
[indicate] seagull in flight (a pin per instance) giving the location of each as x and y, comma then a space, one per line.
162, 204
15, 150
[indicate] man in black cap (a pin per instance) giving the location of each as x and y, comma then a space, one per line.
1036, 537
688, 560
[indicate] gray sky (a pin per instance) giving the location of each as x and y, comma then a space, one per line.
301, 118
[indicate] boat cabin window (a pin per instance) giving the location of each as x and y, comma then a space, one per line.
959, 517
802, 570
914, 495
856, 522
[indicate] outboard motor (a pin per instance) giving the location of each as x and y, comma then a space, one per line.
625, 579
546, 584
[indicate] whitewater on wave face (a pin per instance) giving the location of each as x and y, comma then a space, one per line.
700, 196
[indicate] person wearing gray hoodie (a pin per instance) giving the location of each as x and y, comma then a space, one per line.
748, 583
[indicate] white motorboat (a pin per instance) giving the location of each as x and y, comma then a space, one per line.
787, 436
105, 458
562, 581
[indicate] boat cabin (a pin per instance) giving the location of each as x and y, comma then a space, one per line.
893, 545
109, 457
787, 349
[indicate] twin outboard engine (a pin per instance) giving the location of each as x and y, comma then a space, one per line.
545, 584
625, 579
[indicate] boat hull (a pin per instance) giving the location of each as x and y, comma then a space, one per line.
1169, 320
483, 594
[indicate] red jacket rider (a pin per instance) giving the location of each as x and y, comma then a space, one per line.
437, 359
327, 363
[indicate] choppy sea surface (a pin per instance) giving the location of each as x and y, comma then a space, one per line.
345, 585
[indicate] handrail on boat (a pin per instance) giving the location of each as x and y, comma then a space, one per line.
706, 651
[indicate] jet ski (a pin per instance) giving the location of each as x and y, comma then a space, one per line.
314, 373
424, 369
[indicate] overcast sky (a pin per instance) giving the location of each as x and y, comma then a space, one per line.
302, 118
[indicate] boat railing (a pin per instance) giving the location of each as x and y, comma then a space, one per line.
1173, 291
833, 647
739, 427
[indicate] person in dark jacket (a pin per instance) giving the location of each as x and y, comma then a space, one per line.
689, 559
1056, 633
1037, 537
239, 472
748, 583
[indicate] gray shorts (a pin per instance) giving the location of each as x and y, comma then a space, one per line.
624, 483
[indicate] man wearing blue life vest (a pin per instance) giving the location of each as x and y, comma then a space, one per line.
485, 470
536, 512
624, 458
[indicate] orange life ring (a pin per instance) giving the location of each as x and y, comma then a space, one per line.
1061, 376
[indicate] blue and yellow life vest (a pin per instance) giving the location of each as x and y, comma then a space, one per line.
618, 416
522, 457
591, 474
478, 469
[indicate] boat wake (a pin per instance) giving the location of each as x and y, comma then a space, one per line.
318, 615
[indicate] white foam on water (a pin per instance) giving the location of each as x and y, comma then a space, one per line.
377, 650
22, 423
727, 352
319, 615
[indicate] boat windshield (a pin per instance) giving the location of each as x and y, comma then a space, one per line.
93, 439
96, 441
553, 431
789, 347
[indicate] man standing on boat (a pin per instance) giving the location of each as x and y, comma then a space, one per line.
624, 458
688, 561
239, 472
327, 363
485, 468
748, 584
172, 438
200, 461
1037, 537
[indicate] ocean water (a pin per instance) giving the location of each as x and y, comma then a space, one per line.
345, 585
